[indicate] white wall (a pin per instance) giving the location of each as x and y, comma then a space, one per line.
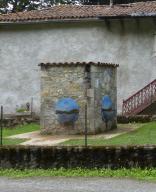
129, 43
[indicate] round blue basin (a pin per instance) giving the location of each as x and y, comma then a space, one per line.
107, 103
67, 110
107, 109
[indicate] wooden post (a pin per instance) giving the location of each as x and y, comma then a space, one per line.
31, 107
86, 130
1, 127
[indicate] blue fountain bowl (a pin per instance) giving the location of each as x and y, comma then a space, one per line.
108, 115
67, 118
106, 103
66, 105
67, 110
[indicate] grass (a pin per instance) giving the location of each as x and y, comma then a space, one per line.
146, 134
18, 130
7, 141
136, 173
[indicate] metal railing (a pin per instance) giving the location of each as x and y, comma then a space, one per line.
140, 100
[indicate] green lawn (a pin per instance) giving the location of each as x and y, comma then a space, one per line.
142, 174
12, 141
18, 130
146, 134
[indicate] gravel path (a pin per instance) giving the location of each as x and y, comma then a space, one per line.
35, 138
74, 185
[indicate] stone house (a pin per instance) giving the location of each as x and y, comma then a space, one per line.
122, 34
87, 84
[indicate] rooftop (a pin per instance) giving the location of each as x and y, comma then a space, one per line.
78, 63
77, 12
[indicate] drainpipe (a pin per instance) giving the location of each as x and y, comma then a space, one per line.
111, 3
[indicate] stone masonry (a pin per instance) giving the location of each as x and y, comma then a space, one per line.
84, 82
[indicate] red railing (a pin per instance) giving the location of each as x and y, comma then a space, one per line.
140, 100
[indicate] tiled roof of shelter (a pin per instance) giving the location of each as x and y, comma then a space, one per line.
78, 63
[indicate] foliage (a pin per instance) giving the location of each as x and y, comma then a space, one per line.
21, 129
146, 134
137, 173
134, 118
8, 141
16, 5
7, 6
21, 110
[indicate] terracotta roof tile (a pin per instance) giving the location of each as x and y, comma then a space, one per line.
63, 12
79, 63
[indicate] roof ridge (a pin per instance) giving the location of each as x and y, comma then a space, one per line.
79, 63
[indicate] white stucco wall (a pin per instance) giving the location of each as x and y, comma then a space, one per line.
129, 43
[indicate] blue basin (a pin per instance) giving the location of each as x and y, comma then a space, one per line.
107, 103
67, 110
107, 109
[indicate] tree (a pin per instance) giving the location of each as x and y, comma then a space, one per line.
7, 6
18, 5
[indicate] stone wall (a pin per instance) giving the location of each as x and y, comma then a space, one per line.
60, 81
56, 83
18, 119
71, 157
135, 119
103, 82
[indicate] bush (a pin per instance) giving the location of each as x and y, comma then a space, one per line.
134, 119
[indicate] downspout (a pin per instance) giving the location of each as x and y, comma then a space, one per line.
111, 3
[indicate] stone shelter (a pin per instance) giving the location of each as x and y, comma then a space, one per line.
87, 84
